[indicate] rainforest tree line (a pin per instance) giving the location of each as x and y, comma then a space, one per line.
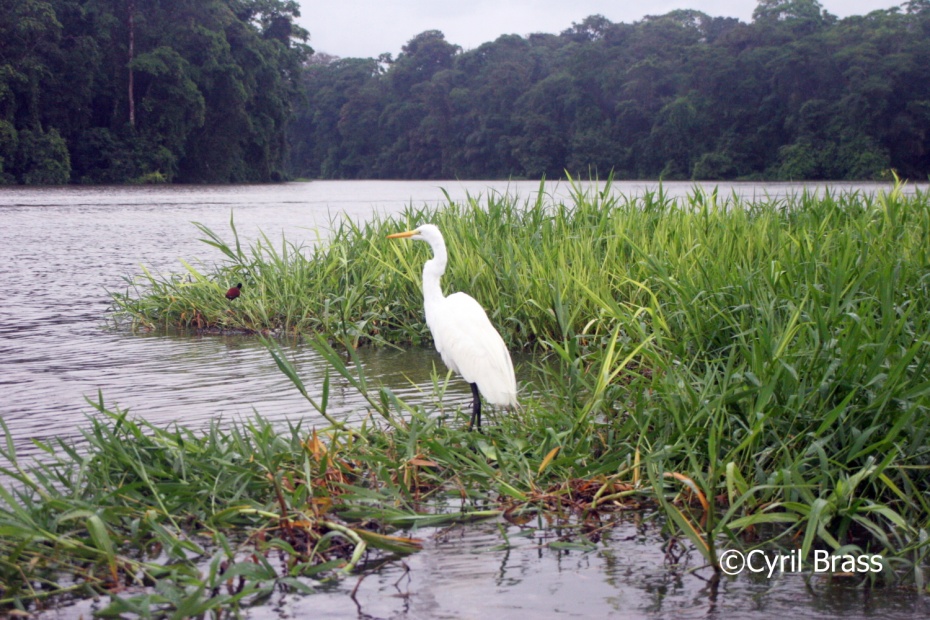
795, 94
112, 91
229, 91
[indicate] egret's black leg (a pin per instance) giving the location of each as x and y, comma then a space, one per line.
475, 407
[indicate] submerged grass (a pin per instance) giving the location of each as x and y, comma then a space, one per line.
755, 369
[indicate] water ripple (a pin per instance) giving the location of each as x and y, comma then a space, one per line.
62, 249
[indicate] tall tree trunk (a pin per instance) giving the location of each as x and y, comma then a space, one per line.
132, 44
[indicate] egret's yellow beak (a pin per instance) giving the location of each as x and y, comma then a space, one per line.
402, 235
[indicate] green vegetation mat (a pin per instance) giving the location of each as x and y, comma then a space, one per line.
753, 371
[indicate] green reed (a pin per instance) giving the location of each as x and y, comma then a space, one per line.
755, 369
781, 342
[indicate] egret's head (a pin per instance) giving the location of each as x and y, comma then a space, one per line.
426, 232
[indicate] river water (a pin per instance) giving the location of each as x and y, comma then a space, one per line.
63, 248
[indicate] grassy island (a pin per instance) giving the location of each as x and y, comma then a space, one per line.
755, 372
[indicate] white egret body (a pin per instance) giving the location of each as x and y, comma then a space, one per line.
463, 334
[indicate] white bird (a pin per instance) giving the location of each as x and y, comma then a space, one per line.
462, 332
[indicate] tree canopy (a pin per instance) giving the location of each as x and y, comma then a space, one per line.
102, 91
796, 94
217, 91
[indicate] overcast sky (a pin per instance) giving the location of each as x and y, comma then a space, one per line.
367, 28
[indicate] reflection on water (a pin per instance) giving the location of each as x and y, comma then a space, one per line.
192, 379
62, 249
465, 573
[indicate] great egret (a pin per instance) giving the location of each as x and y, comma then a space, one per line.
234, 291
462, 332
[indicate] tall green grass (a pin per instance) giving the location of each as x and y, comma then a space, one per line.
756, 370
762, 346
167, 521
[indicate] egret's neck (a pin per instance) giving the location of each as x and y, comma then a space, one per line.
432, 272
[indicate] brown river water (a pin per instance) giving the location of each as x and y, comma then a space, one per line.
63, 248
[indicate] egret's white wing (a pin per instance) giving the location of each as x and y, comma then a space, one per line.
470, 346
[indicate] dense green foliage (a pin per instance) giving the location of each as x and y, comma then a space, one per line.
96, 91
795, 94
101, 91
